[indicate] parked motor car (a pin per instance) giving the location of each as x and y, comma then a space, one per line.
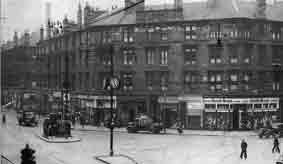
144, 123
276, 129
27, 118
117, 123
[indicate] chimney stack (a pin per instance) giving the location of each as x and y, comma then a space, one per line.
178, 4
48, 19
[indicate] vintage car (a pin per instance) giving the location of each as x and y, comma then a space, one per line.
144, 123
27, 118
276, 129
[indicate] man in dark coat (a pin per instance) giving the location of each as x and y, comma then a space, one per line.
275, 145
4, 119
244, 146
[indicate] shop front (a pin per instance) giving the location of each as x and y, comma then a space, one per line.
94, 109
169, 111
129, 107
239, 113
193, 105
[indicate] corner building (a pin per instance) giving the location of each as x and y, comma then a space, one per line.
172, 67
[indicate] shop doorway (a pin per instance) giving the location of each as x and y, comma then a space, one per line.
170, 117
235, 118
132, 115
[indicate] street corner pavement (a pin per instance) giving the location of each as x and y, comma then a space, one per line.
116, 159
59, 139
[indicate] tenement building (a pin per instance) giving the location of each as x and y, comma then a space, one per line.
20, 72
211, 65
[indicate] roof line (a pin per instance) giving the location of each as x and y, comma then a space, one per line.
119, 11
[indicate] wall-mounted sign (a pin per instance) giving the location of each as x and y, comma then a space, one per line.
168, 99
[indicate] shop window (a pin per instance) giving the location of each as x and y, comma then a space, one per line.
209, 106
222, 106
265, 106
257, 106
273, 105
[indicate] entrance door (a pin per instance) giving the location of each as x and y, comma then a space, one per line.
235, 118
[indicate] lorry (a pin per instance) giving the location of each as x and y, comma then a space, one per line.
27, 118
144, 123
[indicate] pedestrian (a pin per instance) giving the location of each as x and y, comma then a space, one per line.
244, 146
275, 145
180, 127
4, 119
82, 121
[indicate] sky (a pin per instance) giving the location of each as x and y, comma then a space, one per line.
30, 14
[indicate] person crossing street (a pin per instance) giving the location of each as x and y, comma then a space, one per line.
276, 145
244, 146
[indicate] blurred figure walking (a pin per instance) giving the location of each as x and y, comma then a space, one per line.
244, 146
275, 145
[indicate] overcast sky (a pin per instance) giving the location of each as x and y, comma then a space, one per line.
30, 14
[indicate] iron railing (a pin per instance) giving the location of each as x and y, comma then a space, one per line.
5, 160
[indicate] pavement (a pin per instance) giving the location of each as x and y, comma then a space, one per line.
116, 159
174, 131
59, 139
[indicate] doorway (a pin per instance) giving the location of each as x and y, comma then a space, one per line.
235, 118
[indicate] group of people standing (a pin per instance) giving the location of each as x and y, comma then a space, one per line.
244, 146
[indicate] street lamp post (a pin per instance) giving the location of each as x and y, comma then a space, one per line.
163, 88
66, 87
111, 101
